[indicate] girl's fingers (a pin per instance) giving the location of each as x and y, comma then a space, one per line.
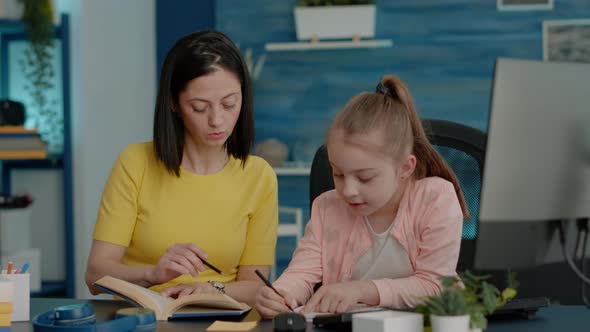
312, 304
342, 307
333, 305
324, 305
272, 301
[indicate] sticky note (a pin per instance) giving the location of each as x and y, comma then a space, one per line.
231, 326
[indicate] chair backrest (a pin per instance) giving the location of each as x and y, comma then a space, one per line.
463, 148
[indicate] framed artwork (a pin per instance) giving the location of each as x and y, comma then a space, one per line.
506, 5
566, 40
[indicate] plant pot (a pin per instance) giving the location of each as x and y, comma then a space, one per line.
11, 9
335, 22
449, 323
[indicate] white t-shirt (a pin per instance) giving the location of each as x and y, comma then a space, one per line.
386, 259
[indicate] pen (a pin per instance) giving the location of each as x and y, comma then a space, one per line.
25, 268
211, 266
271, 287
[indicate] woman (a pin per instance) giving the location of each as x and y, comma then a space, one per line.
193, 193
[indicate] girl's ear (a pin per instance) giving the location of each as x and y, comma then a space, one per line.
408, 166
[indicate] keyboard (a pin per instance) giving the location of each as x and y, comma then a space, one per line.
522, 308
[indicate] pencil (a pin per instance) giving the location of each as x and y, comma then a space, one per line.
211, 266
266, 282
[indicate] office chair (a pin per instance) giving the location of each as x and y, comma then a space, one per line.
463, 148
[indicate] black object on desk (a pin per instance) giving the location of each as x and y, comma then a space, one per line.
520, 308
289, 321
339, 322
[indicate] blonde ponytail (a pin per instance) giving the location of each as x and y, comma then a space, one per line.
428, 161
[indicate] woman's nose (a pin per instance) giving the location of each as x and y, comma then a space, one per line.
215, 118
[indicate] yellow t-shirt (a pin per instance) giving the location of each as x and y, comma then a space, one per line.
232, 214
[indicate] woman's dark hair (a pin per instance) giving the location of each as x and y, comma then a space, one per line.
196, 55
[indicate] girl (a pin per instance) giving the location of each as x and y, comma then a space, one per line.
393, 224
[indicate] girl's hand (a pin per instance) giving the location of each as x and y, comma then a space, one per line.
336, 298
182, 258
179, 291
270, 304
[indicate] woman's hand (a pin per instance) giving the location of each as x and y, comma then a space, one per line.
188, 289
270, 304
182, 258
339, 297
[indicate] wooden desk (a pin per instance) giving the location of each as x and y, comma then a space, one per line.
554, 318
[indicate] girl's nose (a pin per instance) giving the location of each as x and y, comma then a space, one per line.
349, 188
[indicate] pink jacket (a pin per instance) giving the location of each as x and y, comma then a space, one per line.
428, 226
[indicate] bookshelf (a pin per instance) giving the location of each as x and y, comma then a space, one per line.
13, 31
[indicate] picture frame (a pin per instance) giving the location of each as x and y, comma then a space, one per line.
566, 40
521, 5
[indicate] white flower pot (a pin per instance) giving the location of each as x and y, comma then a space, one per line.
335, 22
11, 9
449, 323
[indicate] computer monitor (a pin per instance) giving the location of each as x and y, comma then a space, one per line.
537, 164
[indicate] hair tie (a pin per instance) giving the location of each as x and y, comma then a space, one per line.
382, 89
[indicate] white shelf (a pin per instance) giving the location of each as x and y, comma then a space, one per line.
292, 170
300, 46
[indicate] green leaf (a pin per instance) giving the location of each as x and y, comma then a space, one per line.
478, 320
508, 293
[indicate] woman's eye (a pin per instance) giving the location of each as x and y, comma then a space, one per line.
229, 107
338, 175
198, 110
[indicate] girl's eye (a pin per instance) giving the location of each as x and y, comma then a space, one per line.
229, 107
365, 180
198, 110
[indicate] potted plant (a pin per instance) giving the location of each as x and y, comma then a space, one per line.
464, 303
37, 65
335, 19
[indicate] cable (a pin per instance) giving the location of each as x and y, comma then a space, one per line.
584, 227
567, 257
584, 265
577, 242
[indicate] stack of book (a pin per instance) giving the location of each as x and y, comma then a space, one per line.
16, 142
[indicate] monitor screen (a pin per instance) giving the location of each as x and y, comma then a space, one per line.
537, 164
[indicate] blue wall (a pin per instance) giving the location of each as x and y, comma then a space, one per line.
443, 49
177, 18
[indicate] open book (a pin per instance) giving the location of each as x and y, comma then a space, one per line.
194, 305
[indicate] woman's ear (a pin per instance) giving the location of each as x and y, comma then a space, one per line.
174, 106
408, 166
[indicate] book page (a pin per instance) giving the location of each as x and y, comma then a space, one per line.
142, 296
207, 301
